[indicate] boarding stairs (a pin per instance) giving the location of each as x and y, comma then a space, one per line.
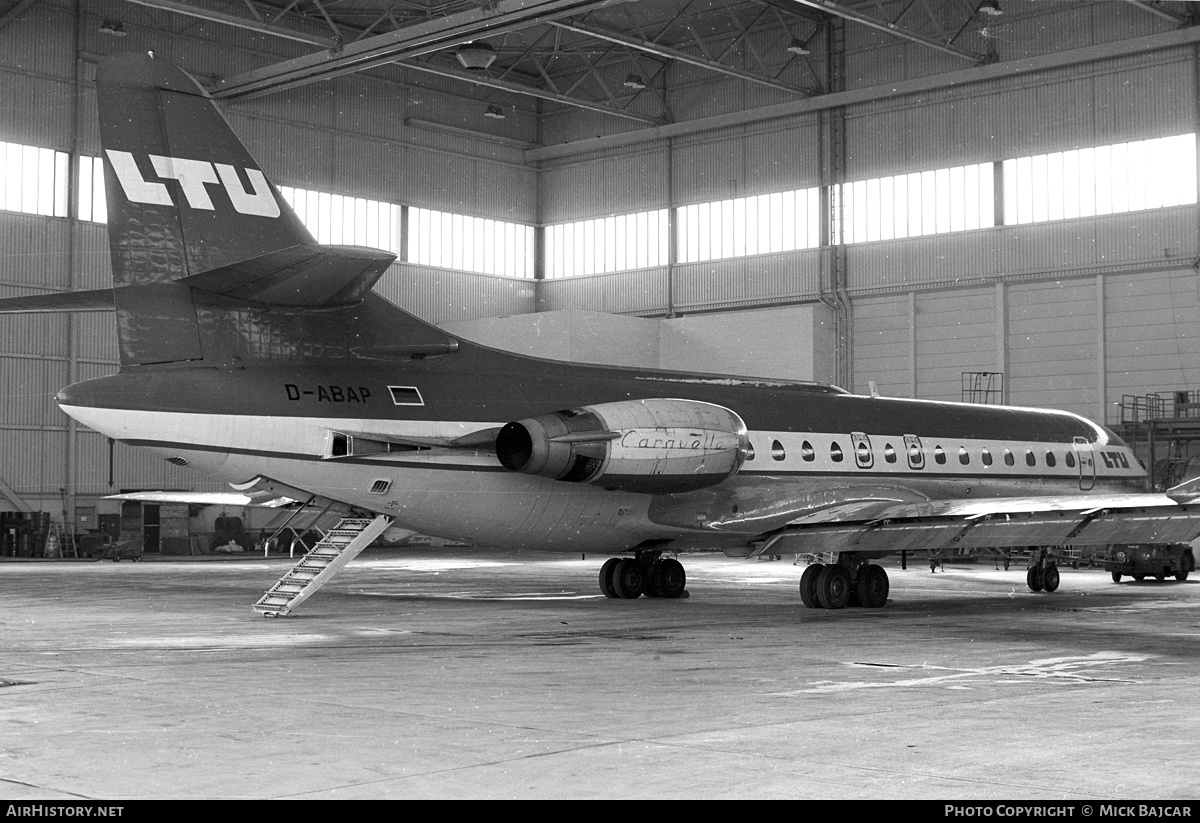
338, 547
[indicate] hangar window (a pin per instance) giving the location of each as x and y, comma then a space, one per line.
835, 453
1122, 177
767, 223
340, 220
777, 452
91, 206
33, 180
911, 205
457, 241
618, 243
806, 452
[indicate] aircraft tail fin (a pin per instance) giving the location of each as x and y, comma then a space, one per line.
184, 195
198, 235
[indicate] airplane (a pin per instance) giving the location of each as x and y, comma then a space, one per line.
253, 354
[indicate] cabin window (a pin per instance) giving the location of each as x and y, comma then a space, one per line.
749, 451
889, 454
1070, 460
1009, 460
806, 452
835, 453
1050, 461
939, 455
964, 456
1030, 459
777, 452
987, 457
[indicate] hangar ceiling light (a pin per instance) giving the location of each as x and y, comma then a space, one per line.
476, 56
991, 7
113, 28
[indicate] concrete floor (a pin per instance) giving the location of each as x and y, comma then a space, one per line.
443, 674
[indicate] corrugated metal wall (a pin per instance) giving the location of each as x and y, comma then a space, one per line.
883, 344
1052, 345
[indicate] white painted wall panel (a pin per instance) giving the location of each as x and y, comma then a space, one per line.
956, 333
883, 345
633, 292
444, 296
744, 281
1152, 333
1053, 357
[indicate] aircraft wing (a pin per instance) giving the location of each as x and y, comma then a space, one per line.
1067, 520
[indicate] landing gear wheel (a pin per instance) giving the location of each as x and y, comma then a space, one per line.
872, 586
629, 579
1139, 577
833, 587
1181, 576
1116, 577
808, 585
668, 578
1160, 577
1050, 578
607, 572
1033, 578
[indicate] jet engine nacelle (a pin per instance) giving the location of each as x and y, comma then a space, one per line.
650, 446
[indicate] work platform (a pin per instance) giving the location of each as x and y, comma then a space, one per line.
1163, 428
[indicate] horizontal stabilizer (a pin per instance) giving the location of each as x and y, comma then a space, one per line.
94, 300
303, 275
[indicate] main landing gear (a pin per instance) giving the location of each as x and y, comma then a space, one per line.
842, 584
1042, 575
647, 573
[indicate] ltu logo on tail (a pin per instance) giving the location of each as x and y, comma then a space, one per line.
193, 176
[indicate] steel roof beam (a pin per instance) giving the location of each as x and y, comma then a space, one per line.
1162, 11
517, 88
240, 22
412, 41
672, 54
829, 7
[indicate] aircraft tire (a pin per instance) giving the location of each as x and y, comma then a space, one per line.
1181, 576
808, 585
1033, 578
872, 586
1116, 576
1050, 578
629, 579
1139, 577
833, 587
668, 578
606, 577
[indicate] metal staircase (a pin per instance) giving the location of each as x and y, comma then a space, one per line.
339, 545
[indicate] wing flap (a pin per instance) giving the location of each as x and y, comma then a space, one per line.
1164, 524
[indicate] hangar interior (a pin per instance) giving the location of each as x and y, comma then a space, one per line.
943, 199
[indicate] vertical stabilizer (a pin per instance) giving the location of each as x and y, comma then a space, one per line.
184, 195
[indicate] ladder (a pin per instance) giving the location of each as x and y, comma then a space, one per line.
339, 546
